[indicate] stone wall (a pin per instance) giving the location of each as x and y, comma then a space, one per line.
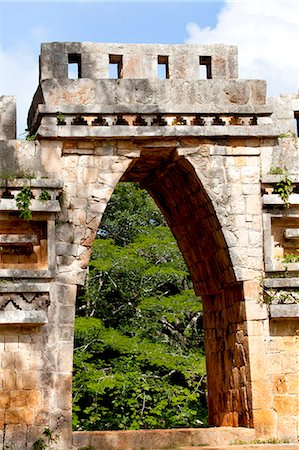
7, 118
137, 60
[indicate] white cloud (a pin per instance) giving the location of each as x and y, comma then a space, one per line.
267, 35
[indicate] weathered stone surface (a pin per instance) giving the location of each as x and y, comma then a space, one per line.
283, 311
161, 439
7, 118
23, 317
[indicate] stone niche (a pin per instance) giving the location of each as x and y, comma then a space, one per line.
27, 247
23, 244
281, 241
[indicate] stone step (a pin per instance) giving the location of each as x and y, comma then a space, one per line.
292, 446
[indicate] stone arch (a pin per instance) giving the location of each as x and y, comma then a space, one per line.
176, 188
173, 181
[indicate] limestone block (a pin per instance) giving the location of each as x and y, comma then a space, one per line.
78, 234
8, 379
19, 416
265, 422
290, 363
279, 384
104, 151
239, 256
286, 405
8, 361
284, 311
36, 361
23, 317
66, 334
255, 238
287, 428
292, 380
90, 175
64, 248
51, 156
78, 217
255, 327
252, 290
257, 356
4, 399
81, 439
30, 379
76, 277
15, 436
274, 363
63, 385
255, 310
7, 117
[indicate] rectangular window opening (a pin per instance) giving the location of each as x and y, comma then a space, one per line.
163, 67
74, 66
296, 115
115, 67
205, 67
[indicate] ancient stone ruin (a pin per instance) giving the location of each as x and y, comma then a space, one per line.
218, 158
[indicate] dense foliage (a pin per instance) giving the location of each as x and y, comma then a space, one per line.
138, 359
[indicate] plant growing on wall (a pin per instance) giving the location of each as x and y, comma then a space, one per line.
29, 135
290, 258
23, 200
277, 171
284, 188
60, 119
44, 196
44, 442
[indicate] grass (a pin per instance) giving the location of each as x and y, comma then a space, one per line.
261, 441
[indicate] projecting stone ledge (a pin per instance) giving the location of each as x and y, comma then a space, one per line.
23, 318
115, 131
281, 282
285, 311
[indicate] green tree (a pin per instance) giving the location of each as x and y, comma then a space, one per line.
138, 359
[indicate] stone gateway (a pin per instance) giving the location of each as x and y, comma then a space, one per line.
222, 163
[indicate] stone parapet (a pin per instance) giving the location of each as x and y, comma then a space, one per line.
138, 61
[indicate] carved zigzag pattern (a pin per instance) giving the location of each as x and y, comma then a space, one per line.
24, 302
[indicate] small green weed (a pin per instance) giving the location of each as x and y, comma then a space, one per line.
260, 441
44, 196
44, 442
60, 119
284, 189
277, 171
16, 175
23, 200
290, 258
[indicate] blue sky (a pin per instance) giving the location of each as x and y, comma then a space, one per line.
140, 22
266, 32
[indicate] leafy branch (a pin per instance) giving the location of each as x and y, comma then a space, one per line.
23, 200
284, 188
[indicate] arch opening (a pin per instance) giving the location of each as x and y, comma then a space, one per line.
139, 352
176, 188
